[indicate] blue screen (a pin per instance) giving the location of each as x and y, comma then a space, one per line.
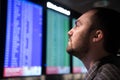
23, 51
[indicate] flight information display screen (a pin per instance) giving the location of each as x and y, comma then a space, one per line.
78, 66
58, 61
23, 50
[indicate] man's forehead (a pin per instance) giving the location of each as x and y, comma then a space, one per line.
87, 15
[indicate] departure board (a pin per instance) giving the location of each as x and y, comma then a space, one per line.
78, 66
23, 51
57, 58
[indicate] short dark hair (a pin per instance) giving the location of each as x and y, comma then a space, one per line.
108, 20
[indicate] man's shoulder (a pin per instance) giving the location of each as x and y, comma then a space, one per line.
110, 67
108, 71
107, 68
111, 60
110, 64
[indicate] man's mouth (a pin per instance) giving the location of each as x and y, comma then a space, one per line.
69, 40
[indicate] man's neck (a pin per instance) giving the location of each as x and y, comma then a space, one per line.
89, 59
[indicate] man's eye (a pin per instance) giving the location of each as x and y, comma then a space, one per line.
77, 24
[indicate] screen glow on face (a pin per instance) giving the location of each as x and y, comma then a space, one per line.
23, 51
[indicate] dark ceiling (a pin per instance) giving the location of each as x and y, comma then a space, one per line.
83, 5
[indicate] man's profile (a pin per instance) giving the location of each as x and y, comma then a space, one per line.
95, 41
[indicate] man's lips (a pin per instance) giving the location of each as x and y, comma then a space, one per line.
69, 40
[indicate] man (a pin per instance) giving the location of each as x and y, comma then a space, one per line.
95, 41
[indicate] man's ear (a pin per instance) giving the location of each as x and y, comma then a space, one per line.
98, 35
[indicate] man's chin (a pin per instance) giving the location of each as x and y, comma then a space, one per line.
69, 50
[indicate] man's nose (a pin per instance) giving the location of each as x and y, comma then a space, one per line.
70, 32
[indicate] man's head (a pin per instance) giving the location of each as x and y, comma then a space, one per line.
97, 28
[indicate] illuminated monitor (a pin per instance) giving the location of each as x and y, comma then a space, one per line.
78, 66
57, 61
23, 49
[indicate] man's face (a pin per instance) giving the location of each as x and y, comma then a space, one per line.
79, 36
